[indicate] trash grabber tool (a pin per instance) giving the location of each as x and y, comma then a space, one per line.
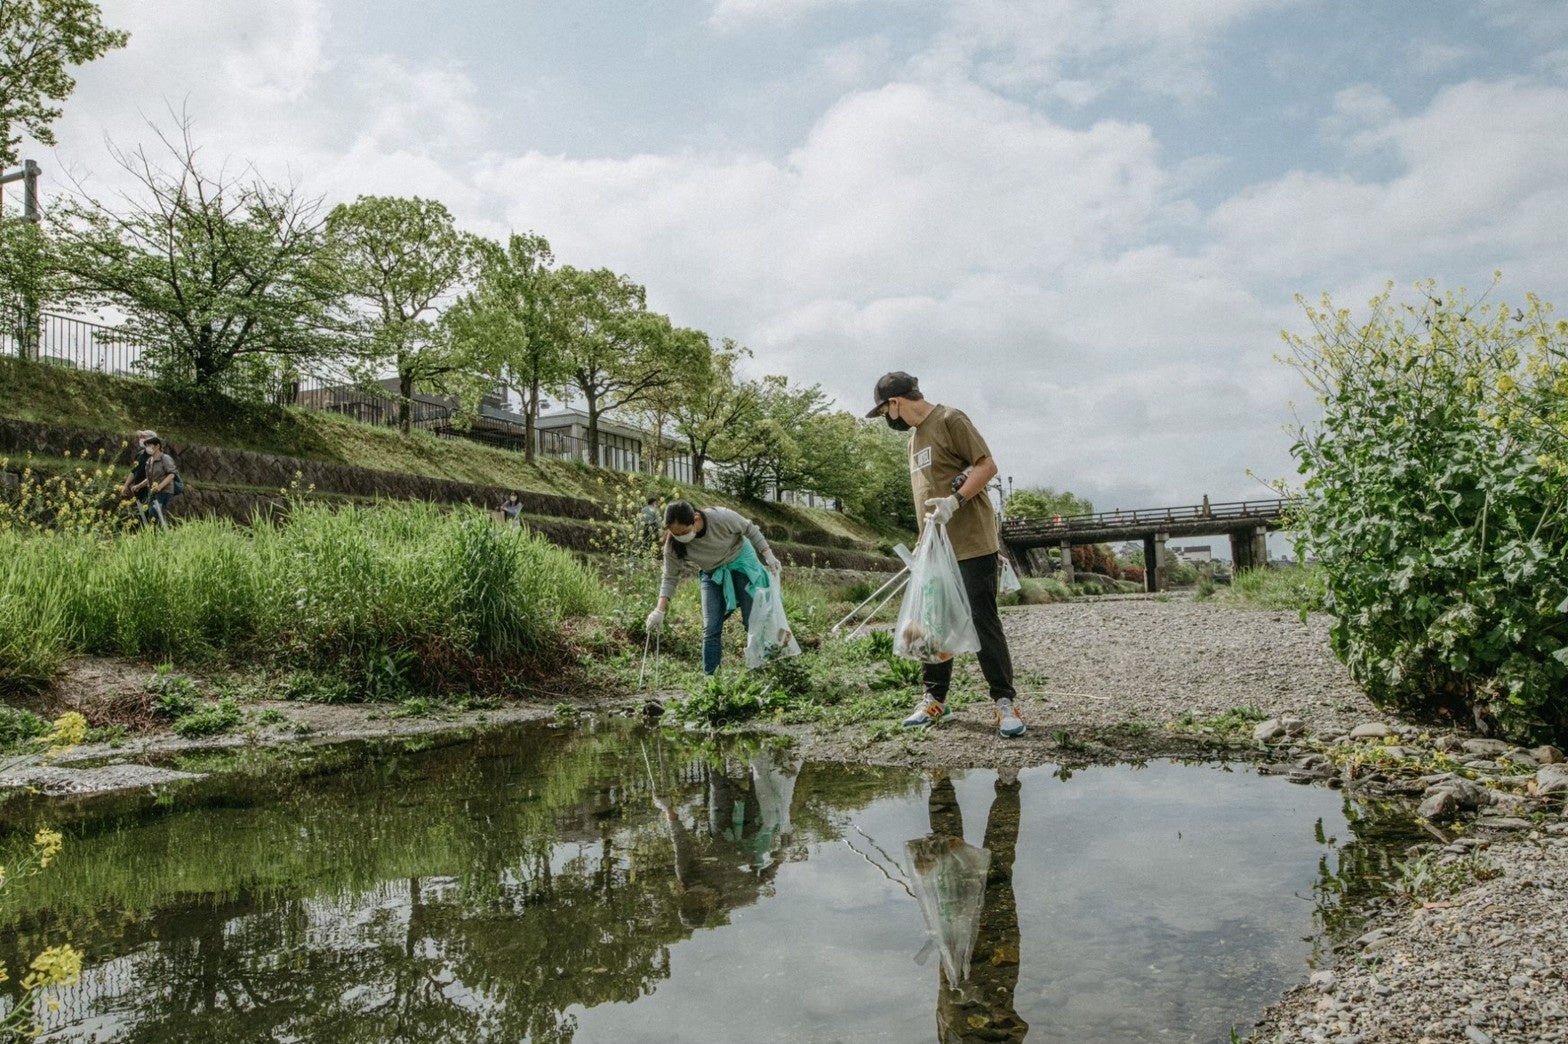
872, 614
895, 578
646, 639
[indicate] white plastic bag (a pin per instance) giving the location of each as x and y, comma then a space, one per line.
1009, 582
949, 884
935, 621
768, 634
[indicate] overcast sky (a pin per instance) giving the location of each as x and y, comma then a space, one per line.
1081, 221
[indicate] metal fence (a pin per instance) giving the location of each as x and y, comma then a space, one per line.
80, 344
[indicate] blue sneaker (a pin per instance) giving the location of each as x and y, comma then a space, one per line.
1008, 723
928, 713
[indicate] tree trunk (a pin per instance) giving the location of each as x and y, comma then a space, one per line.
530, 419
405, 401
699, 465
593, 432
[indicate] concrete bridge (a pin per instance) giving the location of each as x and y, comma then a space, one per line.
1246, 522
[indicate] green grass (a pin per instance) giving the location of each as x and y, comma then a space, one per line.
56, 395
436, 594
1296, 589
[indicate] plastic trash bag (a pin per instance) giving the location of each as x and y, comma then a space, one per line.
1008, 582
768, 634
935, 622
949, 884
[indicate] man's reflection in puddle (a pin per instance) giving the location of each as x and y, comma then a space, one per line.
748, 827
979, 1007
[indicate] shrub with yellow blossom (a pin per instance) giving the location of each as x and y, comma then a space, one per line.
1437, 503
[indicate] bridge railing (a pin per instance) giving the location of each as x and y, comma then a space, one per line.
1225, 512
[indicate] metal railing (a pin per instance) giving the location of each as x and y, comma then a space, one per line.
75, 343
1226, 512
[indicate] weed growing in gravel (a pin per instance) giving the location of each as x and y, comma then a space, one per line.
1427, 878
1234, 721
209, 720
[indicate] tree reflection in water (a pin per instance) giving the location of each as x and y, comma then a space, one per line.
473, 892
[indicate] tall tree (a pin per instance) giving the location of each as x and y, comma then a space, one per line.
1045, 502
716, 413
40, 41
505, 322
222, 276
659, 408
403, 259
618, 351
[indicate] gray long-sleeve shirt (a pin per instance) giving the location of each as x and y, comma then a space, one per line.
717, 544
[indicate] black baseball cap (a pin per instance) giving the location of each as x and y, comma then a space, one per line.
891, 386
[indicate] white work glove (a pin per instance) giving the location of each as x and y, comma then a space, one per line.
940, 509
655, 621
771, 560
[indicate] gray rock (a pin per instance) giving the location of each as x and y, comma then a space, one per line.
1370, 730
1264, 731
1547, 755
1489, 747
1502, 824
1439, 805
1293, 726
1476, 1036
1446, 743
1551, 779
1323, 981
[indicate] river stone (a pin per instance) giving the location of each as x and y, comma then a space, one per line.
1370, 730
1488, 747
1438, 805
1264, 731
1551, 779
1323, 981
1469, 794
1547, 755
1445, 743
1293, 726
1502, 823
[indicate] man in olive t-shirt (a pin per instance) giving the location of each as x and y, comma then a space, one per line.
946, 447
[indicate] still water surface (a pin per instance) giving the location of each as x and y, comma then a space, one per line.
616, 884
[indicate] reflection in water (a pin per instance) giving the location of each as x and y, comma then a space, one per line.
623, 885
975, 1001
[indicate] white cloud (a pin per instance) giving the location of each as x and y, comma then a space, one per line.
1160, 46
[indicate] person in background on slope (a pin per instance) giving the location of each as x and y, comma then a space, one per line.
729, 553
945, 446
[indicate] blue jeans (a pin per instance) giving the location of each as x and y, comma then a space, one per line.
713, 615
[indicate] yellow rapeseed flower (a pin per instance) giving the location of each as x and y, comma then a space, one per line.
56, 966
46, 844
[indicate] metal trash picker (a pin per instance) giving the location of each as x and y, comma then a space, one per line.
897, 583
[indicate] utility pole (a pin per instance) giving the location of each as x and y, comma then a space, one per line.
28, 319
28, 176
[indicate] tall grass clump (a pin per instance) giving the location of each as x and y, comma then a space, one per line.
1299, 588
437, 592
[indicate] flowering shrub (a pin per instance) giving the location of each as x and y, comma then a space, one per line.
1436, 484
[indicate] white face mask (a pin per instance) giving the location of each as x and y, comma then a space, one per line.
685, 538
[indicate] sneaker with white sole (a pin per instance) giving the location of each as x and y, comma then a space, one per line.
1008, 723
928, 713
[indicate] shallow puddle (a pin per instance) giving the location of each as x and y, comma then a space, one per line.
614, 884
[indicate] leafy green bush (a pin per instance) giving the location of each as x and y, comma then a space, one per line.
17, 726
209, 720
721, 699
1437, 482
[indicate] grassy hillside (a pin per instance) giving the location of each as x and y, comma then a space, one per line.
56, 395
